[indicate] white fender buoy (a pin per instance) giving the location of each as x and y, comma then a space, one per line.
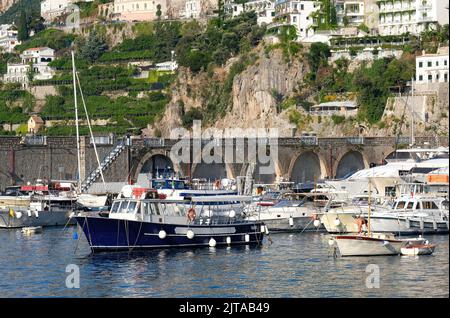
316, 223
212, 242
291, 221
232, 214
266, 230
36, 213
228, 240
190, 234
18, 215
29, 212
162, 234
331, 242
71, 215
247, 238
337, 222
263, 228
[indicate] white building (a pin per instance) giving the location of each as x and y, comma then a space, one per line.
297, 14
232, 9
432, 68
264, 9
397, 17
51, 9
38, 59
139, 10
342, 108
17, 73
191, 9
169, 66
350, 12
8, 37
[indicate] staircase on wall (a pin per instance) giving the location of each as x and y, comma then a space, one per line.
107, 162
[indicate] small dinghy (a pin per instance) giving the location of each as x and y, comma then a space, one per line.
31, 230
418, 249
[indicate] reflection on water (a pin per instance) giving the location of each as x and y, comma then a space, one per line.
295, 265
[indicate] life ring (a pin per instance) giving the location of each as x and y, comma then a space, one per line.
191, 214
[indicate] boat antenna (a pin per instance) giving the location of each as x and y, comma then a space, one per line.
76, 120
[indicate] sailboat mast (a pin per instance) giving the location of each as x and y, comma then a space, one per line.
76, 120
412, 111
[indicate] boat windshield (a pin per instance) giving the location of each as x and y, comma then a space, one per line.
124, 206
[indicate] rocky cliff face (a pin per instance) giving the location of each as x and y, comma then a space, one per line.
253, 102
6, 4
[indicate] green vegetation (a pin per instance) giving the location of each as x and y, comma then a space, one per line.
219, 42
14, 103
325, 17
53, 38
31, 7
154, 44
372, 85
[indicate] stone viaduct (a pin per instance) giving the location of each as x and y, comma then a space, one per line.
300, 159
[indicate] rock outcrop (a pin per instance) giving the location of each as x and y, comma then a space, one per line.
253, 93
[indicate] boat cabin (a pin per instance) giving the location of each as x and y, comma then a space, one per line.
208, 210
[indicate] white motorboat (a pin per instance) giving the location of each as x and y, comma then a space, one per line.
287, 216
418, 249
417, 214
386, 177
373, 244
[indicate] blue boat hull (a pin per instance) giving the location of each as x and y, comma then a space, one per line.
105, 234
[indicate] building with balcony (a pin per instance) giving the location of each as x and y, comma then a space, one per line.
432, 68
357, 12
264, 9
139, 10
35, 60
8, 37
297, 14
397, 17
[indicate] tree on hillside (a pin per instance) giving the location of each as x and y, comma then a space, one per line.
94, 47
158, 11
22, 29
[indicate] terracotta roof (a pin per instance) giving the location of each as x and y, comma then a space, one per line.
37, 119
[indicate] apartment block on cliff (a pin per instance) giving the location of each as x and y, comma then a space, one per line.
357, 12
264, 9
296, 13
397, 17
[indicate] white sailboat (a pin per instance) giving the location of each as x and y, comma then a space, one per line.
368, 244
84, 199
